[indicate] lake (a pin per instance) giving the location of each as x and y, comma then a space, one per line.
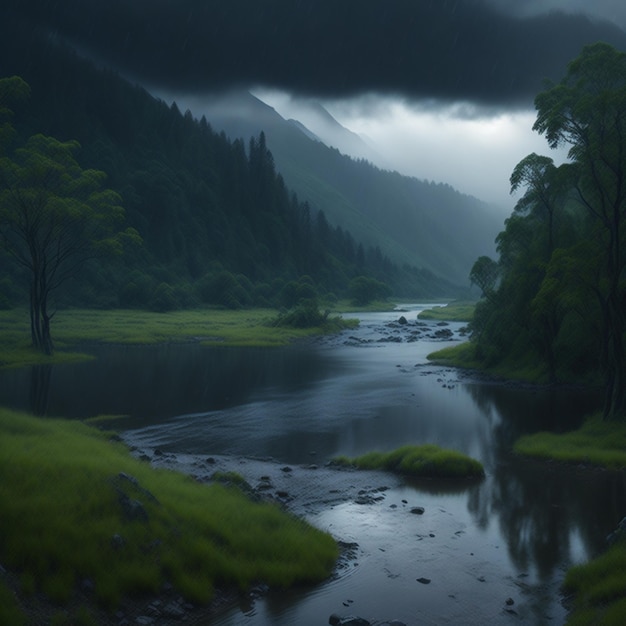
493, 551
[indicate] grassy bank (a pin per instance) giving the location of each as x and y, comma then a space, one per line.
456, 311
463, 355
75, 506
427, 461
73, 327
599, 586
597, 442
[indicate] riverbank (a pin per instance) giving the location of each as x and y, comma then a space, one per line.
596, 589
87, 526
74, 328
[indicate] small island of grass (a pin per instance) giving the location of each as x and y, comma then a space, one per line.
426, 461
76, 506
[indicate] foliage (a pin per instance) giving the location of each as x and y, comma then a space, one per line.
204, 206
54, 216
424, 461
62, 519
364, 290
555, 297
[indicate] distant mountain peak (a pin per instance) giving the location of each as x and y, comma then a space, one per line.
303, 129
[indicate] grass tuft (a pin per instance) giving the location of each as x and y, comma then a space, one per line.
427, 461
65, 517
599, 587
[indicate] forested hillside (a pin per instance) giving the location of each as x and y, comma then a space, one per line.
218, 223
414, 221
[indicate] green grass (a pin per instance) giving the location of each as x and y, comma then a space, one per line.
10, 612
420, 461
599, 587
463, 355
62, 521
597, 442
73, 327
457, 311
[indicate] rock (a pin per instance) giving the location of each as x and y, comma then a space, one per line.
510, 602
173, 609
286, 469
402, 320
417, 510
133, 510
210, 461
423, 581
348, 620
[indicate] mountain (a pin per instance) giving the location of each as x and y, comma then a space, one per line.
218, 222
429, 225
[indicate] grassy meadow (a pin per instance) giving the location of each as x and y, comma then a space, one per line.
73, 328
75, 505
425, 461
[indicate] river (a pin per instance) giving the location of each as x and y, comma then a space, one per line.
493, 551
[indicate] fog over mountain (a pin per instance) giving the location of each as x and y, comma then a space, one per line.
441, 89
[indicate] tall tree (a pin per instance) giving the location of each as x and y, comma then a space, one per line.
54, 216
587, 111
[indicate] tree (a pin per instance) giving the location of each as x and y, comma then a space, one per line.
587, 111
544, 184
54, 216
484, 274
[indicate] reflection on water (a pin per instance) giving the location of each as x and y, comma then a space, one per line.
523, 525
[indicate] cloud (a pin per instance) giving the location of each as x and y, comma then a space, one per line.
444, 50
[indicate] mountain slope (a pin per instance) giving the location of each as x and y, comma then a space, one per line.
424, 224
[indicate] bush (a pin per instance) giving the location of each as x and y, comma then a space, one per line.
305, 315
364, 290
164, 299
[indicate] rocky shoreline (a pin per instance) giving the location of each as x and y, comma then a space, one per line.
301, 489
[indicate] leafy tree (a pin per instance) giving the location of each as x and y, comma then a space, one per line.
364, 290
587, 111
544, 184
53, 217
484, 274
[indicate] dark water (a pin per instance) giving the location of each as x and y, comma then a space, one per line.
512, 535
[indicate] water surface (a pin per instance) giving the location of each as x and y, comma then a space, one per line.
510, 537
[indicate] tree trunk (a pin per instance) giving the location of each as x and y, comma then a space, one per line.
39, 318
615, 395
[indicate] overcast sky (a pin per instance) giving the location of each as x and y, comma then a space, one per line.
444, 88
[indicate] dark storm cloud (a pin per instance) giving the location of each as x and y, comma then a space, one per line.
443, 49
